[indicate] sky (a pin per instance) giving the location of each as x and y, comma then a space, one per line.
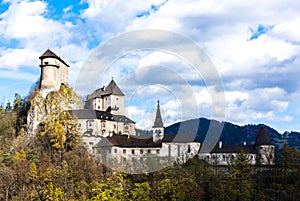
254, 47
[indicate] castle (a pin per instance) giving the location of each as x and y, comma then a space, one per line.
109, 134
54, 72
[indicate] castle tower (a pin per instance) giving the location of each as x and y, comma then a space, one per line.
265, 148
158, 126
109, 98
54, 72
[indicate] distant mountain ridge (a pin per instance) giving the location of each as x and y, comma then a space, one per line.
233, 134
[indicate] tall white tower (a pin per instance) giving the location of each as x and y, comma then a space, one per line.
158, 126
54, 72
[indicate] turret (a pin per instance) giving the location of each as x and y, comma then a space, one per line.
265, 148
54, 72
158, 126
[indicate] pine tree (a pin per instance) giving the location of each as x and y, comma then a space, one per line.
241, 178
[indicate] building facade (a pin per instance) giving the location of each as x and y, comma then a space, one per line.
262, 152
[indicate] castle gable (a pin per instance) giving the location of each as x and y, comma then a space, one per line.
111, 89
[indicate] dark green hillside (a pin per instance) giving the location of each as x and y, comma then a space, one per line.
233, 134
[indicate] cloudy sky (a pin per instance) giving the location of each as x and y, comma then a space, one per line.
254, 47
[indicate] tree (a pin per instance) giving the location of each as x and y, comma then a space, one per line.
2, 111
59, 127
241, 178
18, 103
8, 107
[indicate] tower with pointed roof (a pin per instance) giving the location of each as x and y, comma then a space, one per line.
54, 72
265, 148
109, 98
158, 126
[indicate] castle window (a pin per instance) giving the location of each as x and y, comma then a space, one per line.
99, 107
91, 143
260, 147
224, 157
132, 151
124, 151
271, 156
141, 151
46, 62
157, 151
116, 151
149, 151
189, 149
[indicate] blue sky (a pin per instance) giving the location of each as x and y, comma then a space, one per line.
255, 50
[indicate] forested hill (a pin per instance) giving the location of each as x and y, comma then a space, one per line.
233, 134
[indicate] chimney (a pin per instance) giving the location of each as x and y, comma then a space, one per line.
220, 144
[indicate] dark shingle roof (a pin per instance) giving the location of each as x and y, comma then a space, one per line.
158, 120
262, 137
122, 118
128, 142
181, 138
49, 54
98, 114
225, 148
111, 89
91, 114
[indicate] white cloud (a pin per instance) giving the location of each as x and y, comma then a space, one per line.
259, 74
25, 20
15, 58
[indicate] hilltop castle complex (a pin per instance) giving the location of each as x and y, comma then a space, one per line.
109, 134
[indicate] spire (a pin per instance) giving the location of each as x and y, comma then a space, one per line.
262, 137
158, 120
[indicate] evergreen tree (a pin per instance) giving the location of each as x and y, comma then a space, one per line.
241, 178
